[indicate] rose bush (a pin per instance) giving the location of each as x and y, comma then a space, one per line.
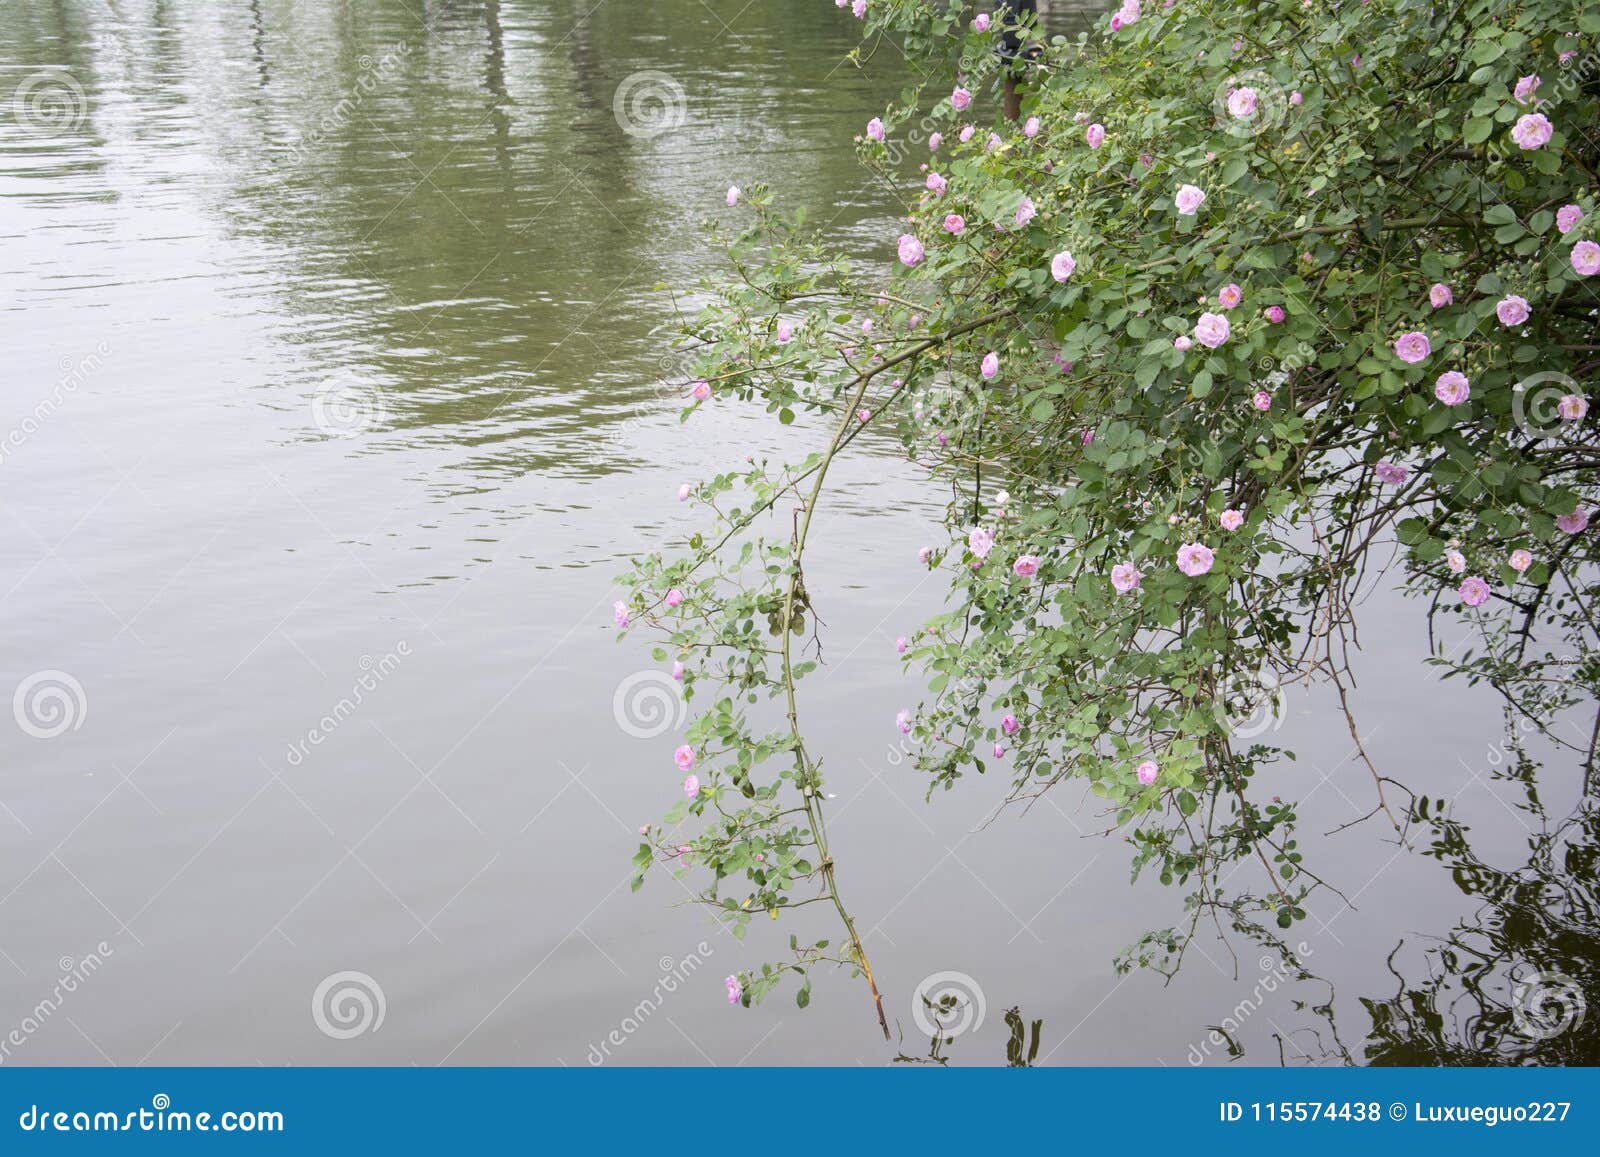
1256, 291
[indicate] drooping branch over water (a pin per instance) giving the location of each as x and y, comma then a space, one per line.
1254, 305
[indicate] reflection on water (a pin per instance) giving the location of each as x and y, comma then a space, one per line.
332, 397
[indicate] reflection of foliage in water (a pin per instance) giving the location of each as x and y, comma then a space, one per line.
1515, 982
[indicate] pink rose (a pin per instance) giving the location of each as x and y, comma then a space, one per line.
1181, 343
1231, 519
954, 223
960, 98
1572, 407
1439, 295
1229, 296
1062, 265
1211, 330
1194, 559
1567, 218
1526, 87
875, 129
1275, 314
674, 598
1147, 772
1189, 199
1452, 388
1512, 309
1391, 473
1026, 566
1586, 258
1262, 401
911, 250
991, 364
1412, 347
1520, 560
1473, 591
1532, 131
1125, 577
684, 757
1575, 523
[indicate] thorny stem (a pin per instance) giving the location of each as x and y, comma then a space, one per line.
810, 781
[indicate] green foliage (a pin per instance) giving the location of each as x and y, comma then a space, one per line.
1377, 162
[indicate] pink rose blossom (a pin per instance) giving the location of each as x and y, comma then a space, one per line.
911, 251
619, 613
1095, 135
1532, 131
1026, 566
1567, 218
678, 670
684, 757
1455, 560
1181, 343
1211, 330
1586, 258
1010, 725
1526, 87
1125, 577
980, 22
1262, 401
1242, 103
683, 492
954, 223
1025, 212
875, 129
1391, 473
999, 751
1231, 519
1189, 199
1296, 99
1439, 295
1520, 560
1412, 347
991, 364
960, 98
1275, 314
980, 541
1086, 437
701, 391
691, 786
785, 333
1452, 388
1575, 523
1512, 309
966, 132
735, 990
1229, 296
925, 555
934, 141
900, 645
674, 597
1572, 407
858, 9
1030, 127
937, 183
1147, 772
1062, 265
1473, 591
903, 721
1195, 559
993, 143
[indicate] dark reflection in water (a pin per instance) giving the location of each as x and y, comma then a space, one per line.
1517, 982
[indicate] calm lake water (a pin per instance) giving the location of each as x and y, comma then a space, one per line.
334, 406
